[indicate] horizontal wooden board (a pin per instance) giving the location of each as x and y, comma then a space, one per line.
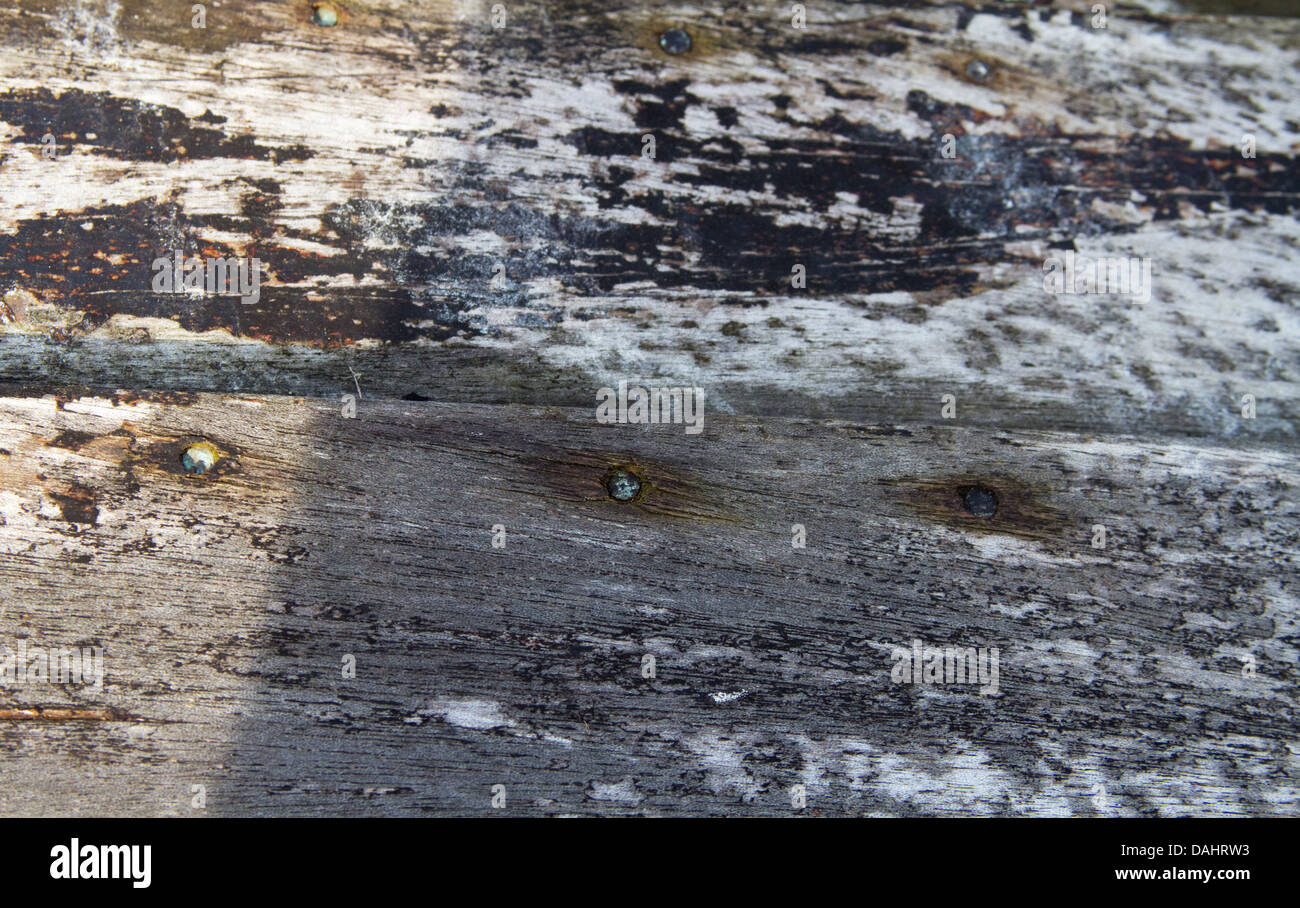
226, 603
385, 168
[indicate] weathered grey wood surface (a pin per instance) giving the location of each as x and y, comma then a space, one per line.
226, 603
383, 168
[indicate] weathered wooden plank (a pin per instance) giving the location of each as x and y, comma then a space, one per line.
384, 168
226, 602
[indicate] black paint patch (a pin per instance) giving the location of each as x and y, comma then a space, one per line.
511, 137
942, 113
412, 272
667, 108
54, 258
128, 129
260, 205
813, 46
886, 47
77, 505
70, 439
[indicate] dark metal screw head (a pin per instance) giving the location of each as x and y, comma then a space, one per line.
623, 485
675, 41
978, 71
980, 501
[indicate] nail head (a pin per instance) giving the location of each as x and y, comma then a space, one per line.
980, 501
324, 14
978, 70
623, 485
675, 41
199, 458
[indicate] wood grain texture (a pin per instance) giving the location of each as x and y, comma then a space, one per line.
384, 167
225, 603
